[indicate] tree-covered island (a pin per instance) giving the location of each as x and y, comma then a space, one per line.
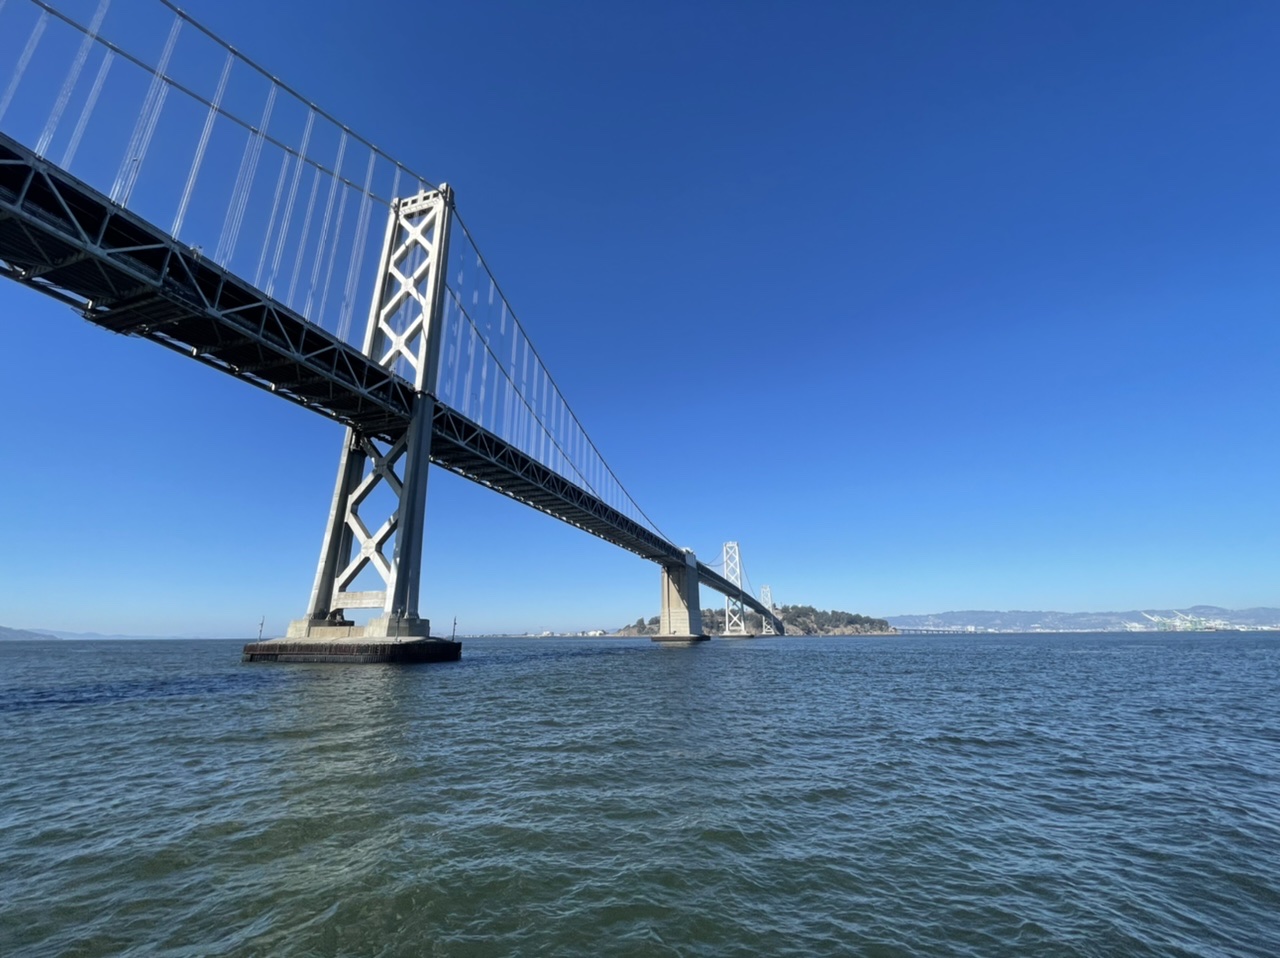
798, 620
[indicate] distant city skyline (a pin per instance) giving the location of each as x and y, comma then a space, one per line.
974, 308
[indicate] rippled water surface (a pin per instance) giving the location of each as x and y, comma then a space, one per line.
1012, 795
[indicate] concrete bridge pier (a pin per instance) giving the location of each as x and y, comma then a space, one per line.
681, 619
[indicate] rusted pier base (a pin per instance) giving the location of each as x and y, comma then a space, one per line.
353, 651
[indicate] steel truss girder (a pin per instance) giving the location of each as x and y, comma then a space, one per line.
470, 450
63, 238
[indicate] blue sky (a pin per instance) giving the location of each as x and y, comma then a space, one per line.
929, 306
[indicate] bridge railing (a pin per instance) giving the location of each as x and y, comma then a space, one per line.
147, 106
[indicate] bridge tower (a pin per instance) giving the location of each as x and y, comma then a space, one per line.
403, 335
735, 621
766, 599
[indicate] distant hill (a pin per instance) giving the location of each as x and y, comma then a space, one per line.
806, 620
1136, 620
22, 635
98, 636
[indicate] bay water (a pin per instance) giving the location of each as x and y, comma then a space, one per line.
1073, 795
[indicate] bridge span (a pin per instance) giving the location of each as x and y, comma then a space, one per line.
445, 374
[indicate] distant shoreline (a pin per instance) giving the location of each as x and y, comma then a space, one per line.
10, 635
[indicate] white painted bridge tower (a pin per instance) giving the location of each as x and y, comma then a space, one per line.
403, 336
735, 620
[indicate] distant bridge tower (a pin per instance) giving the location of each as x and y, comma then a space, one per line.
403, 335
735, 622
766, 599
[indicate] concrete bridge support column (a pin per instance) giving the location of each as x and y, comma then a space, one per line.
681, 619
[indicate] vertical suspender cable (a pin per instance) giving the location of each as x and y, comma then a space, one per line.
333, 254
244, 183
497, 382
357, 247
285, 157
540, 394
302, 239
27, 52
482, 399
550, 399
87, 110
380, 281
395, 186
552, 423
152, 118
288, 207
575, 456
324, 226
509, 412
531, 418
69, 84
467, 394
543, 378
461, 382
468, 386
145, 128
205, 133
523, 389
535, 426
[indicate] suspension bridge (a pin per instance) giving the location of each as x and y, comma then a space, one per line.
169, 188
